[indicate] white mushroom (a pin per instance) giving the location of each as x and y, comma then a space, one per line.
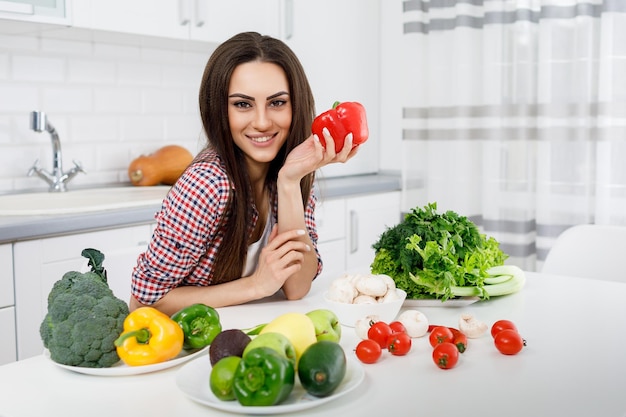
364, 299
372, 285
471, 326
342, 291
391, 295
362, 326
391, 284
415, 322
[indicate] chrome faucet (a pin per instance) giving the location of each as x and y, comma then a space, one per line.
57, 179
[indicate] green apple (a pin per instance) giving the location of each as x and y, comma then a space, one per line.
277, 341
326, 323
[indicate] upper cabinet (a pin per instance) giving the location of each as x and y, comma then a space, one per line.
338, 45
37, 11
201, 20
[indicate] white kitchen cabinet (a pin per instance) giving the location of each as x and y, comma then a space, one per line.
348, 227
331, 232
37, 11
40, 263
7, 309
367, 217
338, 45
202, 20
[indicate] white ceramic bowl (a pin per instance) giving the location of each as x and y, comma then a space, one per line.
349, 313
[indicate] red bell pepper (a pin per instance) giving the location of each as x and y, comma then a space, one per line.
343, 118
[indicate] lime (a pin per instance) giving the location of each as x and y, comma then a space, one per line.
222, 376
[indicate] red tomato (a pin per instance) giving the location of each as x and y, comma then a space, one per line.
440, 334
368, 351
397, 327
445, 355
460, 340
379, 332
509, 342
500, 325
399, 344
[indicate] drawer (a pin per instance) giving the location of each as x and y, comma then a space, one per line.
6, 276
330, 219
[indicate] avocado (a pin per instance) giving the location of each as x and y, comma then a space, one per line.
322, 368
229, 342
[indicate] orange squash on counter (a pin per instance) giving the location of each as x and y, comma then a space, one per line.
164, 166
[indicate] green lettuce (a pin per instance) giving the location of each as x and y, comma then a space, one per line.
429, 253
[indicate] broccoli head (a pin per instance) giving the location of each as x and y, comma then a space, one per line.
83, 321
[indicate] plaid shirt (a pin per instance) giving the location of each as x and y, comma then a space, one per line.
184, 244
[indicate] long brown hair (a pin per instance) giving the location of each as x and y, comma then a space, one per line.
235, 227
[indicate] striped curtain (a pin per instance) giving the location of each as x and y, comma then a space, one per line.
515, 115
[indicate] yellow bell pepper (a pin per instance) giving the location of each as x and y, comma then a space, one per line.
149, 336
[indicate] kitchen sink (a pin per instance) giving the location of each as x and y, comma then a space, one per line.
81, 201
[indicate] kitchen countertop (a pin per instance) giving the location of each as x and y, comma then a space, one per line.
17, 228
568, 368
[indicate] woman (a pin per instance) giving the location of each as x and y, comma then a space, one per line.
239, 224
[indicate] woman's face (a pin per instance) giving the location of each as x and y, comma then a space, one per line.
259, 110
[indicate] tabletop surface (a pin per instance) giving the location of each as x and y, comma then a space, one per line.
573, 365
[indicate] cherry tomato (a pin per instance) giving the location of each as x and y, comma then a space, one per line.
379, 332
500, 325
440, 334
445, 355
399, 344
397, 327
509, 342
460, 340
368, 351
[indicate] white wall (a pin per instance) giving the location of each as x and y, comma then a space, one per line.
109, 103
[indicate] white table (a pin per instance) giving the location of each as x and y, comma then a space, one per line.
574, 365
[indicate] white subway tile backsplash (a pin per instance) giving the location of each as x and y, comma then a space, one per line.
161, 56
149, 127
163, 101
66, 46
117, 100
19, 43
117, 52
94, 128
183, 127
109, 103
67, 99
37, 68
184, 76
91, 71
136, 73
17, 96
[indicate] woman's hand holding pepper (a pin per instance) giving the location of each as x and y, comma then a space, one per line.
278, 260
310, 155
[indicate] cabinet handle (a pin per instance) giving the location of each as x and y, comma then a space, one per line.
200, 12
354, 231
183, 12
288, 9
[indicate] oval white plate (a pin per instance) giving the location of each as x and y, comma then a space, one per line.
121, 369
456, 302
193, 380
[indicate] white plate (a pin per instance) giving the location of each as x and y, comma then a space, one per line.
121, 369
193, 380
456, 302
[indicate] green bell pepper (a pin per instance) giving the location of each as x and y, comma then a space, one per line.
263, 378
200, 324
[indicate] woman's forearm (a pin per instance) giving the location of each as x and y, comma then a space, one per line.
291, 217
238, 291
